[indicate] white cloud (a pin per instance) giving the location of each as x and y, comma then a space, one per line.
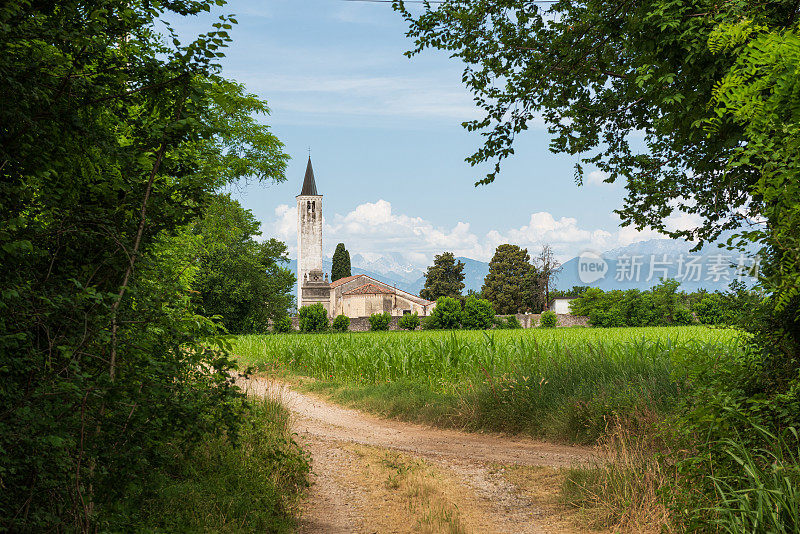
680, 220
374, 229
596, 177
283, 227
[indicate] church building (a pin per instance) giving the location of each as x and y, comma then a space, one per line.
354, 296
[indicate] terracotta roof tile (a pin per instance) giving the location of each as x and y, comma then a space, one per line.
344, 280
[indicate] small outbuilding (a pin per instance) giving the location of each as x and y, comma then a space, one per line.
561, 306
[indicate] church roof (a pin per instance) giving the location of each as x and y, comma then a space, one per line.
370, 289
309, 185
363, 290
344, 280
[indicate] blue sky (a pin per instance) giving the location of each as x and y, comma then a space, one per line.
387, 145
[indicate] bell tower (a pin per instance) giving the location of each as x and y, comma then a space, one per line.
310, 283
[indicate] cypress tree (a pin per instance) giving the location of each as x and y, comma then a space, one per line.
341, 263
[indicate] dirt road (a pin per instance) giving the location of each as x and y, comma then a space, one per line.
377, 475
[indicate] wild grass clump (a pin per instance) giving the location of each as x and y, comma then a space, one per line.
564, 384
250, 482
625, 486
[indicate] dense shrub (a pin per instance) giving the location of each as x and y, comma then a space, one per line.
683, 317
282, 325
478, 314
710, 309
746, 407
512, 323
251, 485
446, 315
341, 323
726, 307
313, 318
549, 319
240, 278
379, 321
409, 322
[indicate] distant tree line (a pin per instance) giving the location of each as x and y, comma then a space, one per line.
662, 305
514, 284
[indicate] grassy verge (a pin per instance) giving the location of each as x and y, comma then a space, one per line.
252, 485
564, 385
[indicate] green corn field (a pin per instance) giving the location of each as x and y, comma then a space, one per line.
563, 383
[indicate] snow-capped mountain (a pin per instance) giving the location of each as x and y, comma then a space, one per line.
393, 265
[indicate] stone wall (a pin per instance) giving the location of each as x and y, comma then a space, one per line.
531, 320
527, 320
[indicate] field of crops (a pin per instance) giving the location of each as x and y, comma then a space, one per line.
561, 383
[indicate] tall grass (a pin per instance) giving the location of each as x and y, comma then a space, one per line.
564, 384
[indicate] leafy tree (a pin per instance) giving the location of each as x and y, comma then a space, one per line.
478, 314
504, 286
683, 317
446, 315
341, 323
239, 278
549, 319
112, 141
379, 321
601, 73
568, 293
711, 309
473, 293
445, 278
341, 263
313, 318
757, 95
409, 321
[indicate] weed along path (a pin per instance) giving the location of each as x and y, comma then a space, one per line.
378, 475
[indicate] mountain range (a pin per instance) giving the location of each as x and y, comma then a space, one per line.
636, 266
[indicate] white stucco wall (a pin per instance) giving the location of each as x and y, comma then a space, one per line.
561, 306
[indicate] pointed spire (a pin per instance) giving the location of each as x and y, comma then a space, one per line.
309, 185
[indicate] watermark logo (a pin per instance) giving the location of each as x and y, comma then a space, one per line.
716, 269
591, 267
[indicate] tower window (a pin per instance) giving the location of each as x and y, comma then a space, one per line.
313, 205
308, 205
